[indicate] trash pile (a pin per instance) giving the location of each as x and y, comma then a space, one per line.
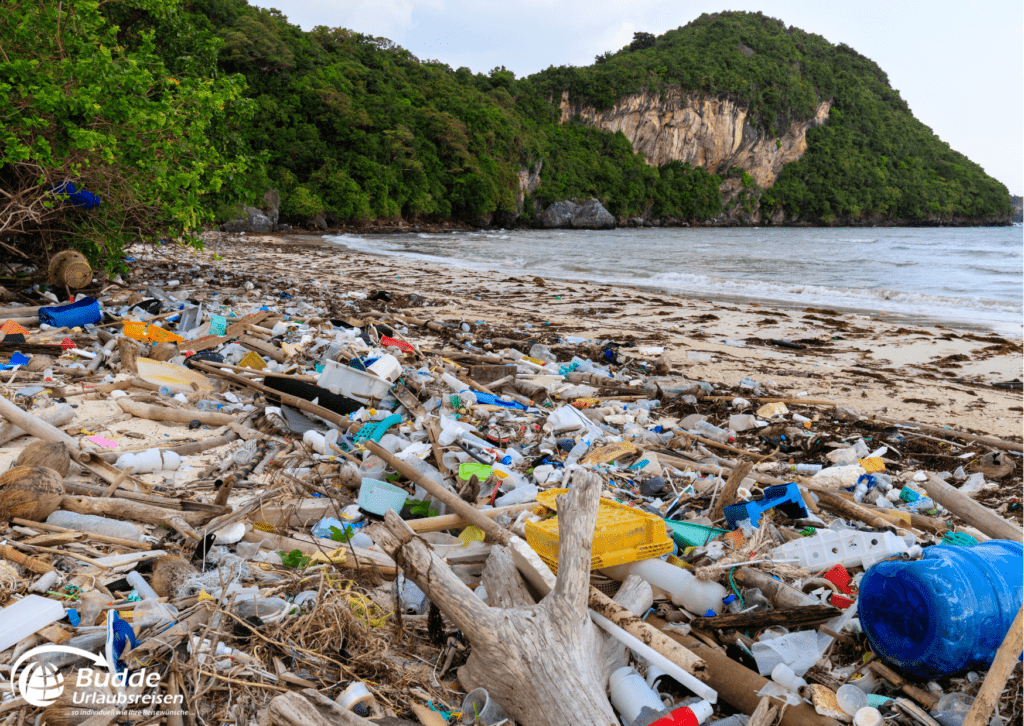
231, 503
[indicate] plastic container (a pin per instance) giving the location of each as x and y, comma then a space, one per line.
387, 368
685, 590
477, 707
346, 381
622, 534
372, 467
851, 699
95, 525
867, 716
25, 617
377, 497
630, 694
945, 613
848, 548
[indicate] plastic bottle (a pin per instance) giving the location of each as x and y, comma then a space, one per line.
946, 612
710, 431
209, 406
577, 451
807, 468
685, 590
630, 694
95, 525
785, 677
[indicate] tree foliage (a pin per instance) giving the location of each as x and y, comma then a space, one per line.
88, 105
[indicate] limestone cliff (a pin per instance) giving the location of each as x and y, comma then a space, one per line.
712, 132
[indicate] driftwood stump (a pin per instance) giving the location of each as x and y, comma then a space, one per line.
545, 664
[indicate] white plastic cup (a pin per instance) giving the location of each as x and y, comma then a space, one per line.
477, 706
851, 699
867, 716
357, 694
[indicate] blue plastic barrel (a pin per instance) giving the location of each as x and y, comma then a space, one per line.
945, 613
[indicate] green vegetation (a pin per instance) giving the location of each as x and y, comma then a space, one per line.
179, 111
84, 104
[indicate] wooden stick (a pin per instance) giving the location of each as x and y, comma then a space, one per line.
179, 415
732, 485
838, 505
925, 698
29, 563
976, 515
456, 521
998, 673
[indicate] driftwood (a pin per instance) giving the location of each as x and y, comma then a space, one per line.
998, 673
924, 697
976, 515
952, 433
59, 415
179, 415
732, 486
181, 522
839, 505
527, 657
778, 592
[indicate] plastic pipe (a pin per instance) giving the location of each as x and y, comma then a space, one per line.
640, 648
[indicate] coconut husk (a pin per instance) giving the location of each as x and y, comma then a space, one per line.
169, 575
30, 492
38, 363
51, 454
163, 351
129, 351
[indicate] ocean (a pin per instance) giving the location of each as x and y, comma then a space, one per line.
969, 278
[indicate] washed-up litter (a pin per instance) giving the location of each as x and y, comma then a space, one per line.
301, 506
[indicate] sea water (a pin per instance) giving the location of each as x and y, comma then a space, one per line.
963, 277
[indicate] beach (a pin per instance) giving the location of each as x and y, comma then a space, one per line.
931, 374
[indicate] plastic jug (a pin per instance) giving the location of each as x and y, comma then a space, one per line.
945, 613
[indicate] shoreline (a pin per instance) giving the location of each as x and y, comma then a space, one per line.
931, 374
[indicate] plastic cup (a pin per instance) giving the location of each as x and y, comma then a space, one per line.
851, 699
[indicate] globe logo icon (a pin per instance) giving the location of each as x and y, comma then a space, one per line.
41, 684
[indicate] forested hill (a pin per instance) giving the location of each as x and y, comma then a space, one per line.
227, 101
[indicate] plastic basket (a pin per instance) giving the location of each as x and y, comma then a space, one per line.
688, 534
138, 330
84, 311
622, 534
378, 497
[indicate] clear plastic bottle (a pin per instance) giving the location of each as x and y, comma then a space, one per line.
206, 405
577, 451
710, 431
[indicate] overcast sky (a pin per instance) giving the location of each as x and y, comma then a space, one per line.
958, 63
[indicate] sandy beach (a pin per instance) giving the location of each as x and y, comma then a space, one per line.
930, 374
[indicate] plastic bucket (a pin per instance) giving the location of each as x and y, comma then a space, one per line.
377, 497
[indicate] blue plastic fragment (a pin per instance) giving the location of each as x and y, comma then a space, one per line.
784, 496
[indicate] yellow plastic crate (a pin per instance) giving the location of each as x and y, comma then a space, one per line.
622, 534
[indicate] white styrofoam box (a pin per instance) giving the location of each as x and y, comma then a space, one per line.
848, 548
387, 367
346, 381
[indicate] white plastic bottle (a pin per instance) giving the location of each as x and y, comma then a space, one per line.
685, 590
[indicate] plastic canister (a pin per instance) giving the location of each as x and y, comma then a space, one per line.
945, 613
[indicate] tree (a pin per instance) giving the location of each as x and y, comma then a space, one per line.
83, 109
642, 40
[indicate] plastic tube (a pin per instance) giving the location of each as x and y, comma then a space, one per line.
691, 682
686, 591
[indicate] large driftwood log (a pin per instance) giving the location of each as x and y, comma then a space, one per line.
57, 416
179, 415
544, 664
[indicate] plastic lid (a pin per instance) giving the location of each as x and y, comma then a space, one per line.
729, 598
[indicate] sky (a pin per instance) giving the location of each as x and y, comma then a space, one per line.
959, 64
